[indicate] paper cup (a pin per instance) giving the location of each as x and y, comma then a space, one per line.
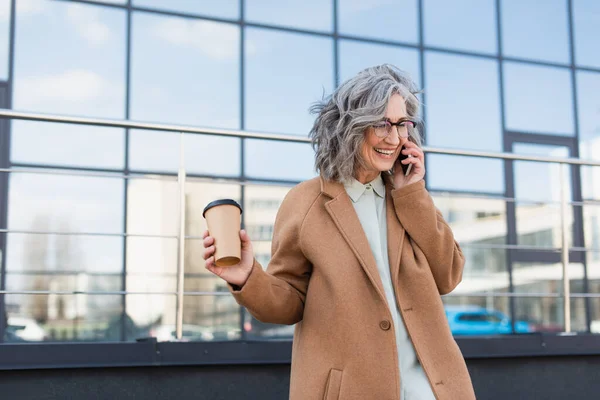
223, 218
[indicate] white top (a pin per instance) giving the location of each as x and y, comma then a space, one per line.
369, 204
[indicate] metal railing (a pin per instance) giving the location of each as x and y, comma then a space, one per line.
182, 177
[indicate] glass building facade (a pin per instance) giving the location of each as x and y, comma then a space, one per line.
516, 76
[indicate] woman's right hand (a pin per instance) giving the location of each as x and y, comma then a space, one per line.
235, 274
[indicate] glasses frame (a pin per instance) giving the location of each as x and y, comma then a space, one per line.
388, 128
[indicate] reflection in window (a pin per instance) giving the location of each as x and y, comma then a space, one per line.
304, 14
279, 160
545, 278
62, 203
391, 20
280, 84
200, 83
35, 318
70, 59
586, 19
457, 85
203, 154
260, 220
591, 229
479, 226
153, 209
356, 56
149, 315
588, 104
207, 318
594, 308
535, 30
538, 99
221, 8
67, 145
478, 315
5, 9
449, 172
62, 254
537, 184
545, 314
463, 24
537, 181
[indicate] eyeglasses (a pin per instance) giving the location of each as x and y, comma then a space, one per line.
384, 128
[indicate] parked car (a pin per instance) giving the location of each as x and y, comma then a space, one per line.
26, 329
475, 320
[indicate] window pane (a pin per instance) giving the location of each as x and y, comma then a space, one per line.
595, 311
280, 84
4, 37
152, 209
200, 83
464, 24
70, 59
588, 104
34, 318
61, 277
479, 226
479, 315
152, 264
535, 30
203, 154
536, 185
537, 181
211, 318
65, 203
356, 56
110, 1
67, 145
448, 173
586, 18
148, 315
456, 84
538, 99
392, 19
546, 278
546, 314
279, 160
304, 14
221, 8
591, 228
65, 254
261, 206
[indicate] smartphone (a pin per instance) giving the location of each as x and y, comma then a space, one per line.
405, 167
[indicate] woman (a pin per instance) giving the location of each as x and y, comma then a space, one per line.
360, 257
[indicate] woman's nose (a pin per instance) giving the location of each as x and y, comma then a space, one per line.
394, 138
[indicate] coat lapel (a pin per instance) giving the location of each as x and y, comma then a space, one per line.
342, 212
395, 235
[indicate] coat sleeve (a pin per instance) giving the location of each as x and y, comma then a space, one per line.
277, 295
429, 231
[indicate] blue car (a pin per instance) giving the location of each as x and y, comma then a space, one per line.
475, 320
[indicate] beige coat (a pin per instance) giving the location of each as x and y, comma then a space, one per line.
323, 276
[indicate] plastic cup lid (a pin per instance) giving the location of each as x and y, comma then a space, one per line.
221, 202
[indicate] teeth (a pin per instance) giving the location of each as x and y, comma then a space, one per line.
386, 152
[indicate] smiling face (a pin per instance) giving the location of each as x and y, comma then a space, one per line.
380, 154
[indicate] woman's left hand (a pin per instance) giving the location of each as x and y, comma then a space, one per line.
418, 166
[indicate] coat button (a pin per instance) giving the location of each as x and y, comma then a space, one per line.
385, 325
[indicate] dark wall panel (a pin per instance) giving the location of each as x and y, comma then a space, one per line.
546, 378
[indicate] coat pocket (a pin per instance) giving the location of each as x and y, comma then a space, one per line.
334, 382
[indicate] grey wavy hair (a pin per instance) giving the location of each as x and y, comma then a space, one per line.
343, 118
